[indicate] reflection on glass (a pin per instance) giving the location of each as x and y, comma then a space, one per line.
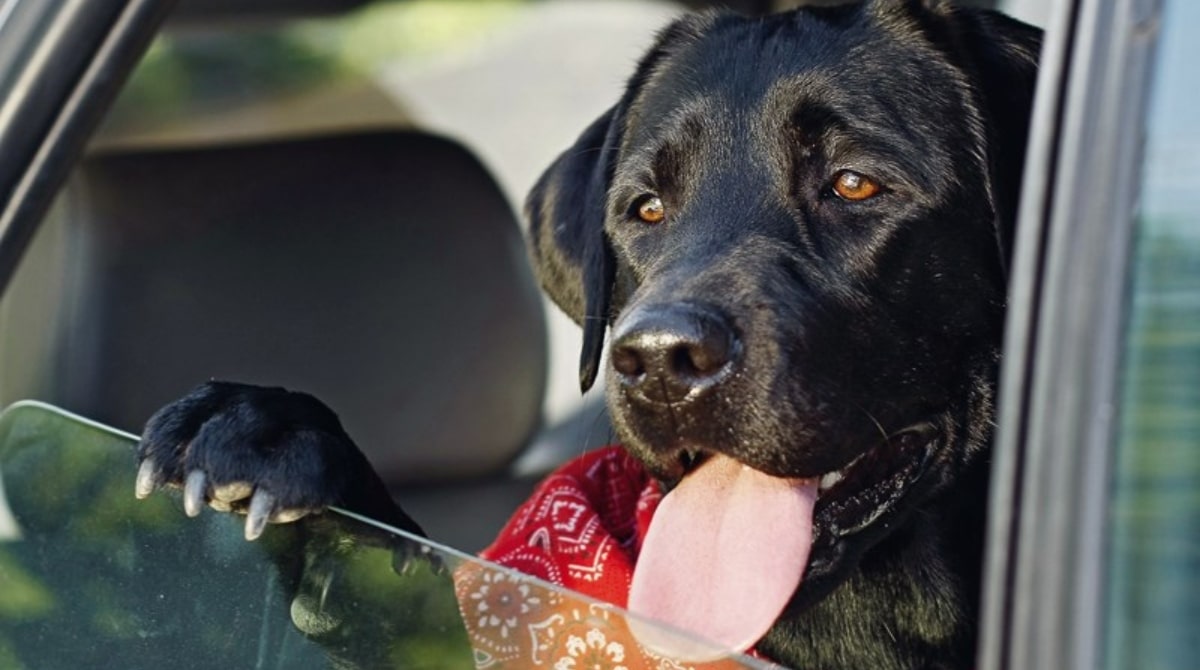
91, 577
1154, 595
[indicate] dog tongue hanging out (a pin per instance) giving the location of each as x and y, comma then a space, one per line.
794, 232
724, 553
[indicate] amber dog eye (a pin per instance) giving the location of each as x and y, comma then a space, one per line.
854, 186
651, 210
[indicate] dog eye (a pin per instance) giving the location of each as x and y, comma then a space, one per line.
651, 210
854, 186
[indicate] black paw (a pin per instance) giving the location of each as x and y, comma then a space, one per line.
272, 454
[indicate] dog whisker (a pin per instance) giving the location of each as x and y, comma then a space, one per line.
882, 431
599, 422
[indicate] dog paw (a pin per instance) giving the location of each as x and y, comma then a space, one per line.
269, 453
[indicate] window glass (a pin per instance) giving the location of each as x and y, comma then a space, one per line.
1154, 569
91, 577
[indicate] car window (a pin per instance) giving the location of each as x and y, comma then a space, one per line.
89, 573
1154, 571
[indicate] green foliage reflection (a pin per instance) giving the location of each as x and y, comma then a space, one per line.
96, 574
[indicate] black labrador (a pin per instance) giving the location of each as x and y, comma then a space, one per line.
797, 228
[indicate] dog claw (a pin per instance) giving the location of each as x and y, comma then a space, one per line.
261, 507
147, 479
194, 492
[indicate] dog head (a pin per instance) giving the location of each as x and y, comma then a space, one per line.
797, 228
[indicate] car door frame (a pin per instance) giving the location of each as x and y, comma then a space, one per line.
62, 63
1057, 423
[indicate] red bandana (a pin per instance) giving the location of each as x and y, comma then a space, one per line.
583, 526
582, 529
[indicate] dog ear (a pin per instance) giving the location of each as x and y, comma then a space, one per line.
1003, 52
570, 252
566, 209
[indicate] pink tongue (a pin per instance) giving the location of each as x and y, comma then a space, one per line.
724, 553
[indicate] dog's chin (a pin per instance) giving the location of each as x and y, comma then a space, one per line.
858, 504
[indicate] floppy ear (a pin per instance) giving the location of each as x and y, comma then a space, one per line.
570, 252
566, 209
1003, 52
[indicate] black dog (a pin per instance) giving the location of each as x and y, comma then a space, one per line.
798, 229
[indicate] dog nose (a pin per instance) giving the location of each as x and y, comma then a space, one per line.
669, 352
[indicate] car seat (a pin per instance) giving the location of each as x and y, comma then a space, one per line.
381, 270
